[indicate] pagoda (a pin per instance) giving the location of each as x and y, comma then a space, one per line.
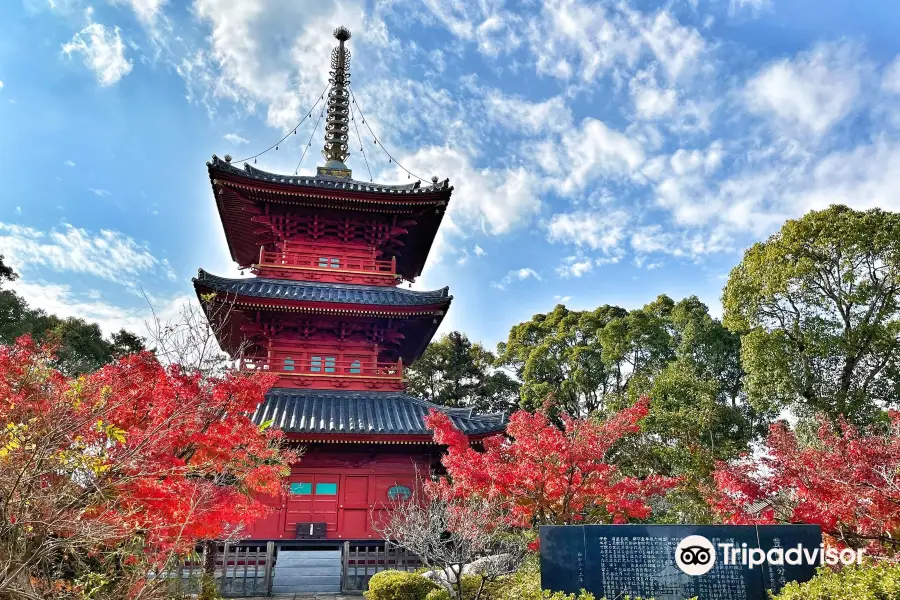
325, 312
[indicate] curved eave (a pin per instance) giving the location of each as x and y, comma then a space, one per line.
365, 417
388, 439
326, 186
356, 195
333, 308
229, 337
327, 298
233, 194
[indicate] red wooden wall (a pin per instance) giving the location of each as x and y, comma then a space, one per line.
343, 490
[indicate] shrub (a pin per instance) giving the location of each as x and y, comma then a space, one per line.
525, 584
398, 585
440, 594
866, 582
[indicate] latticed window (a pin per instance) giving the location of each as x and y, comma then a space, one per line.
329, 364
325, 262
355, 367
288, 363
315, 364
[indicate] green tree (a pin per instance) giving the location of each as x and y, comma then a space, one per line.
455, 372
817, 307
687, 362
561, 355
81, 347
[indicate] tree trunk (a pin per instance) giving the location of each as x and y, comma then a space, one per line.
208, 588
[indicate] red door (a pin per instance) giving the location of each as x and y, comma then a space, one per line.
312, 499
355, 507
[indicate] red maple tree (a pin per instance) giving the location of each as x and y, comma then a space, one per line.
136, 451
847, 481
539, 474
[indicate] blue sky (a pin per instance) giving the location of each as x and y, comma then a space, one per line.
602, 152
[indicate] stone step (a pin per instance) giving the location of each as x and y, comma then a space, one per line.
330, 569
306, 562
298, 557
323, 589
302, 578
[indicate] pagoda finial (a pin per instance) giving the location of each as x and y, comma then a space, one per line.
337, 124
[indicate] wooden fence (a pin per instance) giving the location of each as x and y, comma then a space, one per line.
247, 569
241, 570
362, 560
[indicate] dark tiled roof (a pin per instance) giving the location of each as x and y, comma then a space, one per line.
262, 287
343, 412
327, 181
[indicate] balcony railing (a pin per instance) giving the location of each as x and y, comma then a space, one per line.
325, 263
326, 368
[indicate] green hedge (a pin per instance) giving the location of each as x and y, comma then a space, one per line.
523, 585
866, 582
398, 585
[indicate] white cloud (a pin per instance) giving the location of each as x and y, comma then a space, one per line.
69, 163
528, 117
100, 192
575, 266
650, 239
493, 30
236, 139
274, 55
148, 11
654, 239
562, 299
753, 6
650, 100
61, 300
867, 176
18, 210
108, 254
675, 46
479, 251
813, 91
594, 150
891, 79
1, 85
588, 229
493, 200
516, 275
570, 36
103, 51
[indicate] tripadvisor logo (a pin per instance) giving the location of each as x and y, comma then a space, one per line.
696, 555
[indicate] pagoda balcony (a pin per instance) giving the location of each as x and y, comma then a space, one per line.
325, 372
326, 266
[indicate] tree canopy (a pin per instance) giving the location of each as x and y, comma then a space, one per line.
106, 477
817, 306
80, 345
456, 372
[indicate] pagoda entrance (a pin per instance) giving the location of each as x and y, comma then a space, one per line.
339, 503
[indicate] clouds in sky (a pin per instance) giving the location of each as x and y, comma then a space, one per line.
102, 50
579, 136
107, 255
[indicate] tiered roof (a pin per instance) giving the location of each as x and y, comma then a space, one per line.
322, 293
414, 210
264, 214
341, 413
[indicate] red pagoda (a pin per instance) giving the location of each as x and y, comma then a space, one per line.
326, 314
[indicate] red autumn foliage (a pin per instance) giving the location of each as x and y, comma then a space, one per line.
847, 481
539, 474
136, 449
